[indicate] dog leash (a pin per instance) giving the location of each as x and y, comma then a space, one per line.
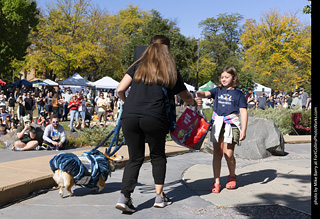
115, 139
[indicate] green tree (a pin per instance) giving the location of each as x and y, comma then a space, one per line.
182, 49
206, 69
221, 41
121, 27
58, 45
76, 37
132, 19
277, 51
307, 9
17, 19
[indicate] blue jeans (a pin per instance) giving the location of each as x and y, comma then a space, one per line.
72, 114
83, 114
65, 111
40, 109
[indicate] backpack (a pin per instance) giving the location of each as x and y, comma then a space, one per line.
170, 109
11, 102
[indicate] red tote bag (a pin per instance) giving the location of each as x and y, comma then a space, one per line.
191, 129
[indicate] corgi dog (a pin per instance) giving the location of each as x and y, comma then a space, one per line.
66, 180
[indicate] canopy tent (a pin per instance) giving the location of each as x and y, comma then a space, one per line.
2, 83
106, 83
50, 82
208, 86
24, 82
75, 80
39, 82
260, 88
76, 83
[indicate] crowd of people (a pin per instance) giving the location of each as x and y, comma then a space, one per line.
54, 136
46, 104
263, 100
43, 105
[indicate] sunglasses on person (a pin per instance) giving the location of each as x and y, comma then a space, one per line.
55, 121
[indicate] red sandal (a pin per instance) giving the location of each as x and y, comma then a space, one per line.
215, 188
231, 184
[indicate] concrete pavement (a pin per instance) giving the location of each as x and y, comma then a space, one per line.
274, 180
24, 176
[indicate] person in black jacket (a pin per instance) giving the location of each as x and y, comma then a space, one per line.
29, 104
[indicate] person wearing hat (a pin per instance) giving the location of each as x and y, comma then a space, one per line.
26, 136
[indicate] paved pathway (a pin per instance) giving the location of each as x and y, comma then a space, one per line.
262, 185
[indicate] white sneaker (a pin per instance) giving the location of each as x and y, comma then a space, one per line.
161, 202
125, 204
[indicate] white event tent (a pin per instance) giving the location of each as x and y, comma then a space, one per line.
50, 82
258, 88
76, 82
106, 83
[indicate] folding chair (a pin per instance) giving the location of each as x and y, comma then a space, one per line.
296, 124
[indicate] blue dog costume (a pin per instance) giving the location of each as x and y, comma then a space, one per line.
85, 169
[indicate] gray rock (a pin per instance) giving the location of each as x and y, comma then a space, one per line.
7, 140
263, 139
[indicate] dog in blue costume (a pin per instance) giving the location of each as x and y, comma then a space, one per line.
90, 169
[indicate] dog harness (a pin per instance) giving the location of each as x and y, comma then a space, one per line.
87, 174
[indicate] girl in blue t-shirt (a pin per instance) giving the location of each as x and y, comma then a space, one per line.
226, 131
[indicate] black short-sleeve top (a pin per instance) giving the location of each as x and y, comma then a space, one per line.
144, 100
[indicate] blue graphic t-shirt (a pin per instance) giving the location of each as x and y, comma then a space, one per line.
55, 135
226, 101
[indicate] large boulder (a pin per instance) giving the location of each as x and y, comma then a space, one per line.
7, 140
263, 139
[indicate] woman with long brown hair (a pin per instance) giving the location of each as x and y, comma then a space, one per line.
144, 118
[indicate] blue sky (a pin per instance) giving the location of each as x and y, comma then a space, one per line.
188, 13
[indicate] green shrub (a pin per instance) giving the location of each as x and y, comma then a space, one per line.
208, 113
93, 136
282, 117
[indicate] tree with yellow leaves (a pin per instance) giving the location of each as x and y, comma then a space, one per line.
76, 37
277, 51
